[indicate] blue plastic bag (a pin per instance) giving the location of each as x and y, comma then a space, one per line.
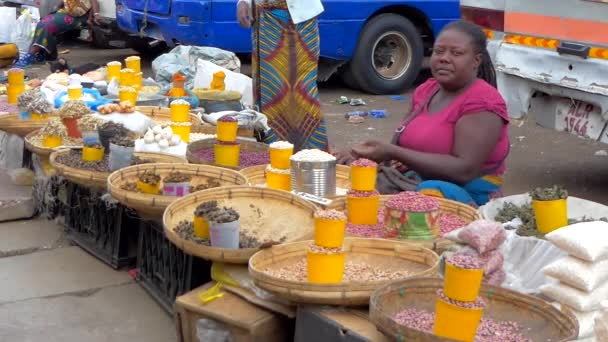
97, 101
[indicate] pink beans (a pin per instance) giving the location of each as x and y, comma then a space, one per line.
368, 231
362, 162
413, 202
477, 304
449, 222
330, 215
483, 235
363, 194
465, 261
492, 260
247, 158
227, 118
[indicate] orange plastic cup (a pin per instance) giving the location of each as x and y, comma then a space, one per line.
325, 268
276, 180
128, 95
279, 158
462, 284
133, 63
455, 322
363, 178
329, 233
227, 155
113, 71
363, 210
226, 131
201, 227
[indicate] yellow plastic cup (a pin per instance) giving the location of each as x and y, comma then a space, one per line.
455, 322
51, 141
148, 189
227, 155
325, 268
462, 284
550, 215
127, 77
36, 116
180, 112
133, 63
75, 92
128, 95
16, 77
363, 178
139, 80
201, 227
280, 181
226, 131
113, 71
183, 132
363, 210
329, 233
279, 158
13, 92
90, 154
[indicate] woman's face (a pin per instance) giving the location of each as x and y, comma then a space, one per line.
454, 61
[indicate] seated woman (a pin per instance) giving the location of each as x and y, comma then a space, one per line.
70, 15
454, 142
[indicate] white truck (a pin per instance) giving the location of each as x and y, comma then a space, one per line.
551, 59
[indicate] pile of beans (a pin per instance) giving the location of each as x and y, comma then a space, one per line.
74, 159
353, 271
227, 118
491, 261
465, 261
495, 278
8, 108
362, 162
488, 330
413, 202
362, 194
330, 215
324, 250
185, 229
449, 222
477, 304
483, 235
246, 158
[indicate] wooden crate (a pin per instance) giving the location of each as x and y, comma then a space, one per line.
246, 322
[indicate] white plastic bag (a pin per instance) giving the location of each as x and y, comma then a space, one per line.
574, 298
24, 32
8, 19
135, 122
583, 275
587, 240
234, 81
208, 330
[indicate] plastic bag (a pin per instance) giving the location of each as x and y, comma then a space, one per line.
24, 32
492, 260
8, 20
578, 273
212, 331
574, 298
11, 151
496, 278
234, 81
601, 323
587, 240
483, 235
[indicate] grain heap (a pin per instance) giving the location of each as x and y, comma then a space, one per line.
33, 105
582, 274
410, 215
53, 133
180, 119
278, 173
325, 257
363, 199
226, 149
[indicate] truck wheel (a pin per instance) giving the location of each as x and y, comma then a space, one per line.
389, 55
142, 45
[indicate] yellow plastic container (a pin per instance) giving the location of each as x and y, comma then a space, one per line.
279, 158
329, 233
127, 77
363, 178
201, 227
227, 155
280, 181
133, 63
148, 189
226, 131
218, 81
180, 112
51, 141
363, 210
325, 268
550, 215
462, 284
127, 95
90, 154
13, 92
75, 92
36, 116
139, 80
183, 132
114, 71
455, 322
16, 77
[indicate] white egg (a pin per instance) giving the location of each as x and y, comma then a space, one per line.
163, 143
157, 129
175, 140
158, 137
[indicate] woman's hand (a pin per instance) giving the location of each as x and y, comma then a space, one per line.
344, 157
373, 150
242, 14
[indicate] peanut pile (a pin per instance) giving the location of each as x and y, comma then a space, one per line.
353, 272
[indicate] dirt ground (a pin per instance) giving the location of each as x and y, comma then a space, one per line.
539, 157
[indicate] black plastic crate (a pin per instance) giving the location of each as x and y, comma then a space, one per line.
164, 270
101, 226
50, 196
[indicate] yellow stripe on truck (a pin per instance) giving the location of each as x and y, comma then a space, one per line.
551, 44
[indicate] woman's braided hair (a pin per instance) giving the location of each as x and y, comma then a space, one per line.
486, 69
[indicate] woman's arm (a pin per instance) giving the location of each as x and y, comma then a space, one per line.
94, 12
475, 138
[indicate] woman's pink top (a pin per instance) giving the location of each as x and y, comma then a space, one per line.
434, 133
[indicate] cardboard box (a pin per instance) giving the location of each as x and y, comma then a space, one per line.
245, 321
327, 324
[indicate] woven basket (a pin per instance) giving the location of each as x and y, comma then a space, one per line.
163, 114
37, 149
11, 123
468, 213
269, 213
246, 145
257, 176
99, 180
540, 320
155, 205
389, 255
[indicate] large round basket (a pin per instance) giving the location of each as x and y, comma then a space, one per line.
246, 146
37, 149
257, 177
99, 180
266, 213
155, 205
467, 213
10, 123
539, 320
379, 254
163, 114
